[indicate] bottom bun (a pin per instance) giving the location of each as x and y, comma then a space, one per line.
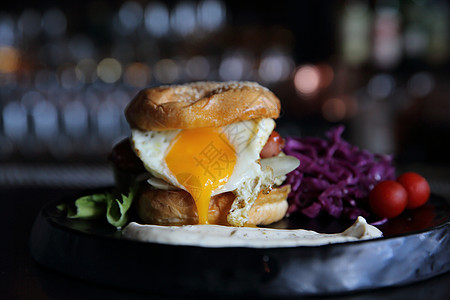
178, 207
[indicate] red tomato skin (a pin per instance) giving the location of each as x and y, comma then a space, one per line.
388, 199
417, 188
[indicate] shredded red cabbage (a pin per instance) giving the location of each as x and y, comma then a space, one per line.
334, 177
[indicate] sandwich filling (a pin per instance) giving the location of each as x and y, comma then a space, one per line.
202, 160
210, 161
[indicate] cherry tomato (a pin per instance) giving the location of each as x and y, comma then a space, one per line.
417, 188
388, 199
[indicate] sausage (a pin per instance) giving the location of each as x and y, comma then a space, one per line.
273, 146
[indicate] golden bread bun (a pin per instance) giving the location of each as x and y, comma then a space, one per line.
200, 104
178, 207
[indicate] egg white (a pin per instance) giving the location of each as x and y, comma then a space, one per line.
247, 137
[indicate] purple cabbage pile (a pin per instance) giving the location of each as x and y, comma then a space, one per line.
334, 177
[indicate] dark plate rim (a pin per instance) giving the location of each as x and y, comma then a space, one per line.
46, 211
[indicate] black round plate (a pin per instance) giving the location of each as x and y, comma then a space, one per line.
415, 246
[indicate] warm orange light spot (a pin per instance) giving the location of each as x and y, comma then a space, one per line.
326, 75
9, 59
334, 109
202, 160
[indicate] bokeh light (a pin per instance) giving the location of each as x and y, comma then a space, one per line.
137, 75
166, 71
275, 66
68, 77
334, 109
235, 65
75, 119
15, 123
420, 84
86, 71
108, 115
29, 23
54, 22
82, 47
183, 19
381, 86
9, 59
157, 19
109, 70
307, 80
198, 68
46, 80
326, 75
45, 120
211, 14
7, 30
131, 15
61, 64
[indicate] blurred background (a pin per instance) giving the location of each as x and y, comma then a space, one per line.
68, 69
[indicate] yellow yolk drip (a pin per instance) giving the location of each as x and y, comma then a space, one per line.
202, 160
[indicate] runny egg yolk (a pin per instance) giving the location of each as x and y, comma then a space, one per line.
202, 160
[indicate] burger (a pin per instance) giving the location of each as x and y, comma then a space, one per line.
205, 153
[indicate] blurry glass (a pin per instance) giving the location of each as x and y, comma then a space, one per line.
9, 59
157, 19
107, 116
86, 71
15, 123
387, 44
123, 51
82, 47
148, 51
211, 14
54, 22
236, 65
198, 67
381, 86
307, 80
54, 53
68, 78
75, 119
7, 30
183, 19
420, 84
355, 33
334, 109
137, 75
46, 80
45, 120
438, 51
109, 70
166, 71
275, 66
326, 75
30, 99
29, 23
131, 15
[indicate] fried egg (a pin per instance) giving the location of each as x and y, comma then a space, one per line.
210, 161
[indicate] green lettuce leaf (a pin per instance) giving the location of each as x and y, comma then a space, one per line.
116, 210
100, 206
89, 207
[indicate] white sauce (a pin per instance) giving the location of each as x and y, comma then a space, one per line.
253, 237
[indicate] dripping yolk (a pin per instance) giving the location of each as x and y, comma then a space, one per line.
202, 160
